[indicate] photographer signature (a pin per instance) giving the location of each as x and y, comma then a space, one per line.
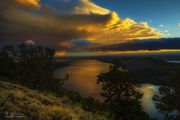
13, 115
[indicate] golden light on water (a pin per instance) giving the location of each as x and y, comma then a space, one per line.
83, 77
148, 91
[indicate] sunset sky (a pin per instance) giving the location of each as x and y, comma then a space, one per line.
87, 25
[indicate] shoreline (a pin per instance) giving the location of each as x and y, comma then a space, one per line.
143, 69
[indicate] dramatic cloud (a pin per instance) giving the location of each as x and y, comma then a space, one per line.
29, 2
87, 7
58, 22
76, 7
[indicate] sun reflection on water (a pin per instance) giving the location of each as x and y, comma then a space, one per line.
83, 75
83, 79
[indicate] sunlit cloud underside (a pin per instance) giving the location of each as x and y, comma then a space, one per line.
71, 20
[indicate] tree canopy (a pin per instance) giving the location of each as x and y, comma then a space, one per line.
121, 96
168, 99
30, 65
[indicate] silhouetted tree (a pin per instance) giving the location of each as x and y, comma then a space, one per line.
168, 99
7, 63
35, 67
8, 49
31, 66
121, 96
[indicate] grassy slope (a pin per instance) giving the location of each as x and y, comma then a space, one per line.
40, 106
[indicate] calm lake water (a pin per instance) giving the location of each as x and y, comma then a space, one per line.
83, 78
173, 61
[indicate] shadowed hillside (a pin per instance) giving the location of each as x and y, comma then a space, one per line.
33, 105
147, 69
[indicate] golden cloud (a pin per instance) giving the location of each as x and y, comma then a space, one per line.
88, 7
35, 3
84, 20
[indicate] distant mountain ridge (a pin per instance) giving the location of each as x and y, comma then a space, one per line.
150, 44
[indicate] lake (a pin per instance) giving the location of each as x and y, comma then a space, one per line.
83, 79
173, 61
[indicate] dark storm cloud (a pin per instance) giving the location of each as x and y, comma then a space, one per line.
151, 44
46, 23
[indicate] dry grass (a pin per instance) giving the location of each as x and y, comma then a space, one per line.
39, 106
